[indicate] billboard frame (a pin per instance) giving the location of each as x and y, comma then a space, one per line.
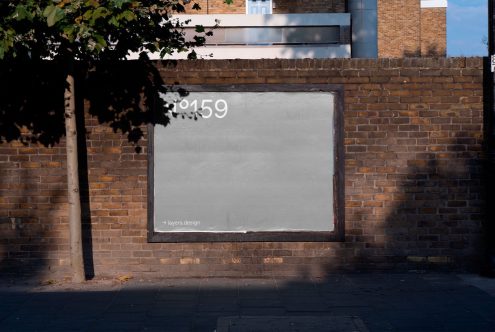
338, 232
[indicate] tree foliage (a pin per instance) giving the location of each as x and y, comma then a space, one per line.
87, 33
95, 35
92, 29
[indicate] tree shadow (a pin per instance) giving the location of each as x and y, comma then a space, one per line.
350, 302
28, 116
28, 112
434, 221
25, 234
430, 50
87, 234
125, 96
119, 95
412, 53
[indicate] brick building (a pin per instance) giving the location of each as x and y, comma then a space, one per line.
323, 29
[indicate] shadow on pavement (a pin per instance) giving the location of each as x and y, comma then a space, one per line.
381, 302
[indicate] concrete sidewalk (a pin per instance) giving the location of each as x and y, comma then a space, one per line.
350, 302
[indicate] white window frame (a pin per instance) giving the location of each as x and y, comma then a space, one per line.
271, 7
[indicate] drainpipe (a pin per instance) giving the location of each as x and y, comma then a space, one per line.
364, 28
489, 142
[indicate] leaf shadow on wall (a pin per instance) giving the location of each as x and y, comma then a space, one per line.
126, 96
428, 218
436, 221
430, 50
30, 116
32, 113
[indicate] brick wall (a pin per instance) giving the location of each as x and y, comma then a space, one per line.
281, 7
433, 32
413, 194
33, 208
309, 6
398, 28
406, 29
217, 7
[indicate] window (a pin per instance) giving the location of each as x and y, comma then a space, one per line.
259, 7
314, 35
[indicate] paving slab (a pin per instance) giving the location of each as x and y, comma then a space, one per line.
290, 324
377, 301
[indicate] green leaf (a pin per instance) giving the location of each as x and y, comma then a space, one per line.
88, 14
199, 40
48, 10
69, 32
119, 3
128, 15
101, 43
21, 13
200, 28
99, 13
113, 21
53, 14
91, 3
152, 47
192, 55
229, 2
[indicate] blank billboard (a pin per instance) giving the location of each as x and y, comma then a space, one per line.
249, 162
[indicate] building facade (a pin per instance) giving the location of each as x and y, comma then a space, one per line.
408, 192
253, 29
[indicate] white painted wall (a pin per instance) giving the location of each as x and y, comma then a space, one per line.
268, 51
271, 52
262, 52
434, 4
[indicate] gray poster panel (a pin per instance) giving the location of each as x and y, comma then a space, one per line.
254, 161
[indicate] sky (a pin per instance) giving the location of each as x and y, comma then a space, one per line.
467, 27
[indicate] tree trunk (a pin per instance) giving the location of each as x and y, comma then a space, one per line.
76, 253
